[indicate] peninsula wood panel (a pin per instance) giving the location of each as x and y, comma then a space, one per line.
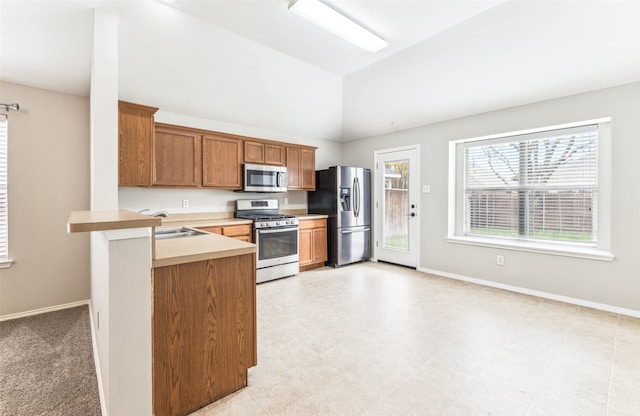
135, 134
204, 332
176, 158
221, 162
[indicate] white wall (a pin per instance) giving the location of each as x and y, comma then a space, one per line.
202, 76
104, 182
613, 283
48, 178
516, 53
183, 65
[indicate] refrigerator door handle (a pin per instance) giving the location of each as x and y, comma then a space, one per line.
359, 230
356, 202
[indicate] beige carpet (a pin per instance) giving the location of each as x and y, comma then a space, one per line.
46, 365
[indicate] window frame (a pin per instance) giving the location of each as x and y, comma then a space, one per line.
5, 261
601, 251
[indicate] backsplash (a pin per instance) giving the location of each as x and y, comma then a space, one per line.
199, 200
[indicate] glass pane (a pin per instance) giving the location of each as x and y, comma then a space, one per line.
396, 205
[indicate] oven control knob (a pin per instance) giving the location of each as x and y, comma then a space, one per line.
264, 224
278, 223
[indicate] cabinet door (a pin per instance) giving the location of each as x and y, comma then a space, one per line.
305, 251
308, 169
214, 230
135, 135
301, 168
274, 154
263, 152
221, 162
253, 152
176, 158
239, 232
319, 245
293, 168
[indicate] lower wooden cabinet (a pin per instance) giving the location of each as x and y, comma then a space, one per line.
204, 332
313, 243
242, 232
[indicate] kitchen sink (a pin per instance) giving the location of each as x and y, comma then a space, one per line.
177, 232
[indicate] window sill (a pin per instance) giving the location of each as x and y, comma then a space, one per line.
5, 263
541, 248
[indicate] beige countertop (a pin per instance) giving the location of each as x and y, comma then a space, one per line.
214, 222
311, 216
197, 248
112, 219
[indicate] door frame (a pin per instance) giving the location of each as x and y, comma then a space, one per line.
377, 210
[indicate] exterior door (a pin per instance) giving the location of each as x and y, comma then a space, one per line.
397, 226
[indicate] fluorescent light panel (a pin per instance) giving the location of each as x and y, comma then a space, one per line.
324, 16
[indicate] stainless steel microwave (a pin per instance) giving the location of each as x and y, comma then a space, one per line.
264, 178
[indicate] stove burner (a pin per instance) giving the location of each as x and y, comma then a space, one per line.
257, 217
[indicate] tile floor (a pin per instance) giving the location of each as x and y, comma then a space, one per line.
375, 339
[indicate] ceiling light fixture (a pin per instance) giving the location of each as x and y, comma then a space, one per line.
323, 15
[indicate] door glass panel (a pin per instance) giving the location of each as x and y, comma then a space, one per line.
396, 204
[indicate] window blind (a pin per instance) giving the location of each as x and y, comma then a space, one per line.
540, 186
4, 203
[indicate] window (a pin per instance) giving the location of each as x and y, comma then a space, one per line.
537, 189
4, 203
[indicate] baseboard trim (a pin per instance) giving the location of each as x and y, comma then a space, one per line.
43, 310
96, 361
546, 295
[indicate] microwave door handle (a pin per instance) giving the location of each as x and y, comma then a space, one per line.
280, 179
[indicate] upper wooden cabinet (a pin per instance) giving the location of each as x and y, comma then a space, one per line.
221, 162
301, 168
176, 158
264, 152
165, 155
135, 135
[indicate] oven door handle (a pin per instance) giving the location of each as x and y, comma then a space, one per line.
277, 230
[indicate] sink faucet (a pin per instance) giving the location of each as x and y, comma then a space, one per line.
163, 214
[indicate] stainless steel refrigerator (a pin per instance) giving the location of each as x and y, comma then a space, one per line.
344, 194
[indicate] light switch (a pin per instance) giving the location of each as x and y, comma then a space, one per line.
426, 189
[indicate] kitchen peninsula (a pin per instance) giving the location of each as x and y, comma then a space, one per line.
193, 302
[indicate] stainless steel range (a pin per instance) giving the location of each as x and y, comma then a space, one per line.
275, 235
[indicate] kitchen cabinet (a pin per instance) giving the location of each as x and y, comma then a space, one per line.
301, 168
165, 155
312, 243
176, 157
267, 153
242, 232
221, 162
203, 332
135, 136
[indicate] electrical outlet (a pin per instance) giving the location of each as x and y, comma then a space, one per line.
500, 260
286, 201
185, 203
